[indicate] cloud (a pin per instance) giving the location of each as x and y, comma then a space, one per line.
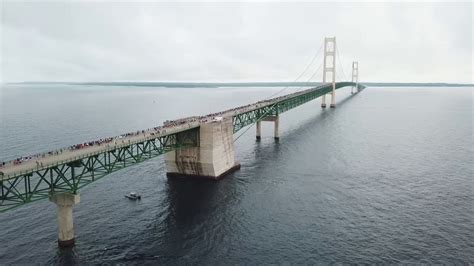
110, 41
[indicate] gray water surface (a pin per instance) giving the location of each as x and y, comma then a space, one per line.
386, 177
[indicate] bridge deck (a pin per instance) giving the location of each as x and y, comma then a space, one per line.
28, 164
66, 155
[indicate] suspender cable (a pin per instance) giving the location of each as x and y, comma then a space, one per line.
340, 64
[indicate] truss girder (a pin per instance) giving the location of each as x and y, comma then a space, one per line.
72, 176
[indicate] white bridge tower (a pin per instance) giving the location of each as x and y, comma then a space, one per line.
355, 75
329, 68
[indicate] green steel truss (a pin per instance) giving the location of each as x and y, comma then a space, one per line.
73, 175
242, 120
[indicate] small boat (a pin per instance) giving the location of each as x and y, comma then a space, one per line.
133, 196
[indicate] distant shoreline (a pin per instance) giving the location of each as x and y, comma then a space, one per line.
236, 84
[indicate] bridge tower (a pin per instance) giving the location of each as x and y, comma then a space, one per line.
329, 67
355, 75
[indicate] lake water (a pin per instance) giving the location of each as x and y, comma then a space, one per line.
386, 177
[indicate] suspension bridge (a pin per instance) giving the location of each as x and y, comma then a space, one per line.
194, 147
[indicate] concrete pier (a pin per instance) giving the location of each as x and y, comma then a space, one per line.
276, 132
259, 130
276, 122
212, 159
323, 101
65, 202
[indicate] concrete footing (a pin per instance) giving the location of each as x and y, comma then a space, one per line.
65, 202
332, 105
213, 158
198, 176
323, 105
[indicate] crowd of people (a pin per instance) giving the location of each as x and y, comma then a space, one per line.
151, 131
90, 143
104, 141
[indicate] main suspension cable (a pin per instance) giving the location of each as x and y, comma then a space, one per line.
312, 76
340, 64
302, 73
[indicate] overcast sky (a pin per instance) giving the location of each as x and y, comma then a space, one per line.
111, 41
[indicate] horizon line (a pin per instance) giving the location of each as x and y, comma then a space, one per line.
224, 82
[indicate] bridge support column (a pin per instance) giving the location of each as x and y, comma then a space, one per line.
212, 159
276, 128
276, 122
65, 202
259, 130
323, 101
333, 96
